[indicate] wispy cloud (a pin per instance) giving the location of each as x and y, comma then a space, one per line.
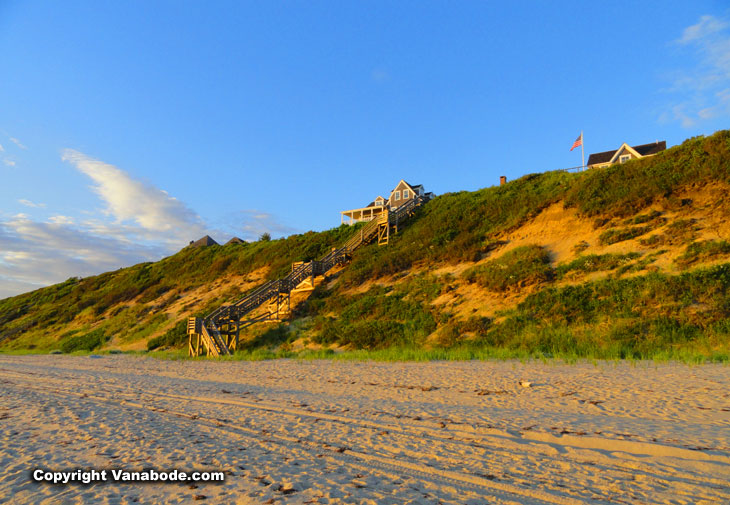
59, 219
36, 254
706, 26
17, 143
2, 149
139, 223
9, 163
251, 224
129, 200
704, 88
28, 203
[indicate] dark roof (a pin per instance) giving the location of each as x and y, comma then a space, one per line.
203, 242
603, 157
644, 150
414, 186
236, 240
653, 148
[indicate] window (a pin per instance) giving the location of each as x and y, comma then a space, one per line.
405, 194
397, 195
624, 158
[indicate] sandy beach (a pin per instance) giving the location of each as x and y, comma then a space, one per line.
301, 432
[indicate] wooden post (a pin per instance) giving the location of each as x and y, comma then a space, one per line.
238, 331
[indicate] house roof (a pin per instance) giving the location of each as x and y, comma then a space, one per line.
372, 204
204, 242
411, 186
643, 150
236, 240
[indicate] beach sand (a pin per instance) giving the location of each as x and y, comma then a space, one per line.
301, 432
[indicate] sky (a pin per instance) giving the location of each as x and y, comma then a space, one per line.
129, 128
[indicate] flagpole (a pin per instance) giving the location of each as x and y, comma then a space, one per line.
582, 153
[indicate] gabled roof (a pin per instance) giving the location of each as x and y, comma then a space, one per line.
642, 150
203, 242
414, 186
372, 204
411, 186
624, 147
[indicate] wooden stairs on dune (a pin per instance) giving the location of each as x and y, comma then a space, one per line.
217, 334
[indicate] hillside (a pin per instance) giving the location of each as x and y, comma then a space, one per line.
627, 261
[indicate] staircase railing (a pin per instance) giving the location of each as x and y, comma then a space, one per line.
210, 333
211, 344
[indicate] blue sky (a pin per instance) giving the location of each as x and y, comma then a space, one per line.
129, 128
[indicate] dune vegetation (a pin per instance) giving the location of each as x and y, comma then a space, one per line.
629, 261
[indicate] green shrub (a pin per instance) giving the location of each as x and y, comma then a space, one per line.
614, 235
454, 332
174, 337
653, 240
519, 267
651, 217
86, 342
703, 251
678, 232
269, 338
370, 320
595, 263
580, 247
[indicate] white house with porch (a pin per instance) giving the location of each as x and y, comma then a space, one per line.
402, 192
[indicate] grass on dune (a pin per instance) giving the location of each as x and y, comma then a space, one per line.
641, 317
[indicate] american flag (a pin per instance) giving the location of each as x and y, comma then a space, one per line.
578, 141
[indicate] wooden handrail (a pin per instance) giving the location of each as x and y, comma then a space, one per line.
209, 343
210, 335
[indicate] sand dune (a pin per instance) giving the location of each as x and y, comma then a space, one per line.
343, 432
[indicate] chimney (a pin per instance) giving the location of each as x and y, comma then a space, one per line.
502, 180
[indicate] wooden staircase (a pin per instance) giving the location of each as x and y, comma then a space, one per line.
217, 334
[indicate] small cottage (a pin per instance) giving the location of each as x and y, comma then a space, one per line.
401, 194
625, 153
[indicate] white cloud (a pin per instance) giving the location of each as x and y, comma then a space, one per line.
59, 219
2, 149
706, 26
9, 163
17, 143
139, 223
251, 224
705, 86
37, 254
130, 200
28, 203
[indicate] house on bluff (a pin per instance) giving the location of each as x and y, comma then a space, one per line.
625, 153
401, 194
